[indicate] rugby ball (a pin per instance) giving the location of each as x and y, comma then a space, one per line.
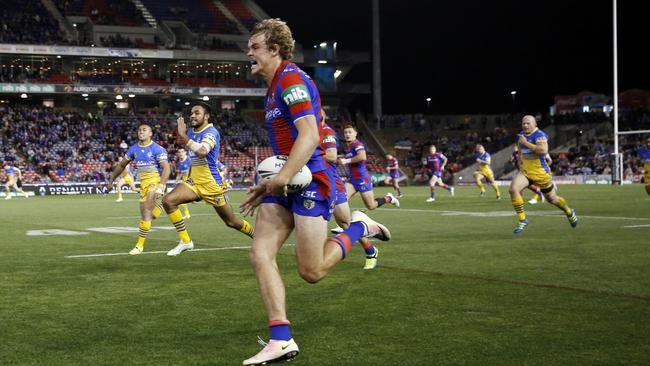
270, 166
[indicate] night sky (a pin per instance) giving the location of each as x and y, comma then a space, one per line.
468, 55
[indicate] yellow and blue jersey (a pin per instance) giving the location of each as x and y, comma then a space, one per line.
531, 161
183, 167
485, 157
10, 171
147, 159
206, 170
644, 154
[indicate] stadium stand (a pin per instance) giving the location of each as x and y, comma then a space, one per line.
33, 16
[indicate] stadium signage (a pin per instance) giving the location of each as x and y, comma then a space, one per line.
66, 189
84, 51
141, 90
243, 92
27, 88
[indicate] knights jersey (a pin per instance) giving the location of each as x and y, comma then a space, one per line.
434, 162
206, 169
147, 159
291, 96
358, 169
530, 160
392, 164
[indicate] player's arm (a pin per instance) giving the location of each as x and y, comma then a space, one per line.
444, 162
331, 154
302, 149
19, 174
118, 170
201, 149
548, 159
166, 171
361, 156
540, 146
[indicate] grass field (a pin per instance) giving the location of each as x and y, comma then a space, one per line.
455, 286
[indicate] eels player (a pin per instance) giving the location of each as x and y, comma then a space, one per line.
533, 148
226, 175
483, 159
392, 166
125, 178
342, 216
153, 170
182, 174
644, 154
14, 175
360, 181
514, 159
436, 162
205, 181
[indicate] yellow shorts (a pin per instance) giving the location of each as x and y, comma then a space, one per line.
128, 179
646, 167
212, 193
541, 179
146, 186
486, 172
10, 180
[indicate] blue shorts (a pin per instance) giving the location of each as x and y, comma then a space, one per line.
394, 175
315, 200
362, 185
431, 174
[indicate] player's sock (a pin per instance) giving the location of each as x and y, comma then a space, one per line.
177, 219
157, 211
119, 196
433, 192
518, 204
399, 193
247, 228
562, 205
446, 186
349, 236
280, 330
144, 227
540, 195
496, 189
381, 201
480, 186
367, 247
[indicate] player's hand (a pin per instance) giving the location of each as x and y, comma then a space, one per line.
277, 186
253, 199
344, 161
160, 190
522, 140
182, 131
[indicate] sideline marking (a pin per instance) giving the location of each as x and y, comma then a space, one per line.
634, 226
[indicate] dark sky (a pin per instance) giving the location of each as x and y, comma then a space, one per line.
468, 55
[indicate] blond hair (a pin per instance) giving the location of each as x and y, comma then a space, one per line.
276, 32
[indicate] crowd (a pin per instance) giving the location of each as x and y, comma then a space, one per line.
27, 22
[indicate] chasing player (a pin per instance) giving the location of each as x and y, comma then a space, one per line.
436, 162
483, 159
182, 174
360, 181
392, 166
329, 143
153, 170
292, 118
644, 154
205, 182
226, 175
514, 159
14, 176
533, 147
125, 178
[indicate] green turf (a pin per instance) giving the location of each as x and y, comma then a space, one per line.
455, 286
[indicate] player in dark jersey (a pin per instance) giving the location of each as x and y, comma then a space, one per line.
292, 118
644, 154
392, 166
435, 163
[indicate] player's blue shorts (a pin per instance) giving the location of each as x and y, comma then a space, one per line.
315, 200
432, 173
394, 174
362, 185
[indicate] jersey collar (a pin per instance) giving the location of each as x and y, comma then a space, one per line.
535, 130
203, 129
149, 144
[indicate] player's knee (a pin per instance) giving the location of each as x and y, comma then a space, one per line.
258, 258
310, 275
168, 205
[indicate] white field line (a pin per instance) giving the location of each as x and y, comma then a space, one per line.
159, 252
458, 213
634, 226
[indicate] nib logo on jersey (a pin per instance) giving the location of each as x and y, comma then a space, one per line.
295, 94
